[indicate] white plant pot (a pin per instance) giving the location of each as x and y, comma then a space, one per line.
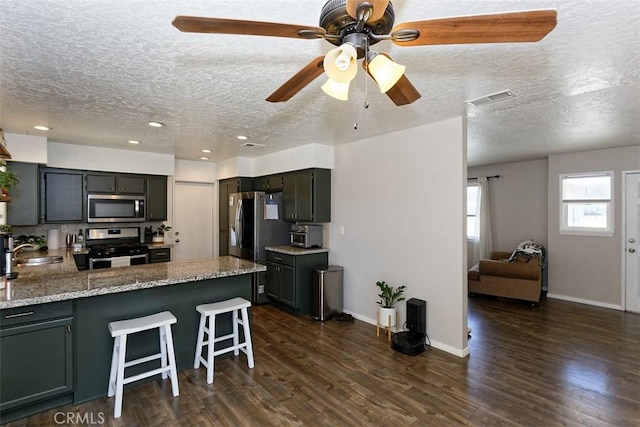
387, 318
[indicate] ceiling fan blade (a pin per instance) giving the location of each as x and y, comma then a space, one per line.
379, 6
403, 92
197, 24
296, 83
528, 26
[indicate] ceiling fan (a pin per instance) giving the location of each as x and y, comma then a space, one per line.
355, 25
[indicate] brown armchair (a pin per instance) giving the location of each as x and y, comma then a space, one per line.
521, 279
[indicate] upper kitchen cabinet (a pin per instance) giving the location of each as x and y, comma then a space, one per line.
61, 196
157, 198
23, 209
268, 184
115, 183
226, 187
306, 195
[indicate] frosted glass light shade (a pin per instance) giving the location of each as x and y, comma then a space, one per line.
337, 90
385, 72
340, 63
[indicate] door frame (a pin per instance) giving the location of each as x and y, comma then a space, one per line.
623, 237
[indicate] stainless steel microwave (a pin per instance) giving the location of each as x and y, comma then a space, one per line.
115, 208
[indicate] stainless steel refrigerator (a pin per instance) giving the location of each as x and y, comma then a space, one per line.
255, 221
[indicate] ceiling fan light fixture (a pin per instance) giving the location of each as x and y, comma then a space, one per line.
340, 63
384, 71
337, 90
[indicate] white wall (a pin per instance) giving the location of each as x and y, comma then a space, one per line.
400, 198
27, 148
307, 156
518, 202
73, 156
194, 171
586, 268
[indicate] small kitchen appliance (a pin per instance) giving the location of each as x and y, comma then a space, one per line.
306, 235
115, 208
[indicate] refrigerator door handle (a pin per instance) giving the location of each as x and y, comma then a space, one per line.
239, 222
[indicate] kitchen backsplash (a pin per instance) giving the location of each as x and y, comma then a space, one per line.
43, 229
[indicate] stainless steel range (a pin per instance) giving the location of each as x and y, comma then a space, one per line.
115, 247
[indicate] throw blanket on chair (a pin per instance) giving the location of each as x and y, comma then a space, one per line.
528, 249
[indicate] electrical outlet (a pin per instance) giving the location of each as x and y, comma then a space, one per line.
64, 228
341, 230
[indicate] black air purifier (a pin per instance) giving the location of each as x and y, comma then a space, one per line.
411, 342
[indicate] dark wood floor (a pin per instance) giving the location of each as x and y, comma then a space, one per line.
559, 364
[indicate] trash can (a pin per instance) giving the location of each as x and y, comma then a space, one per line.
327, 292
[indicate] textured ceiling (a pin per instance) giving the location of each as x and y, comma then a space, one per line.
97, 71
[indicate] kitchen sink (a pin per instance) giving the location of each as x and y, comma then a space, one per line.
28, 262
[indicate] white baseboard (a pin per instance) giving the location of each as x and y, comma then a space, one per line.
585, 301
435, 344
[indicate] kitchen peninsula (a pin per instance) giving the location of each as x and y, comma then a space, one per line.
56, 347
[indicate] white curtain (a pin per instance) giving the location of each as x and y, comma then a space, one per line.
482, 241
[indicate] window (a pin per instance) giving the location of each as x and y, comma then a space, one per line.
472, 210
587, 204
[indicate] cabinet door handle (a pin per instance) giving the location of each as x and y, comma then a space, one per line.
26, 313
277, 258
69, 328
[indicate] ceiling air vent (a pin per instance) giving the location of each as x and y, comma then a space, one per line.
494, 97
253, 144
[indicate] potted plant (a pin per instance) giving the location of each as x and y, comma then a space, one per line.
159, 236
389, 296
7, 179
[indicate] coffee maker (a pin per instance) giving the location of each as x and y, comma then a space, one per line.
6, 256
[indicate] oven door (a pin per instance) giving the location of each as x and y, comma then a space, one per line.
118, 261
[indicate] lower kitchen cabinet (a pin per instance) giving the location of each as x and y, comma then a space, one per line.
290, 279
36, 354
159, 255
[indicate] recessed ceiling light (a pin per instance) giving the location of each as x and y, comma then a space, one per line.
133, 141
156, 124
40, 127
204, 158
242, 137
206, 150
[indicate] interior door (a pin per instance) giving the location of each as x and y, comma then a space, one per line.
631, 245
193, 220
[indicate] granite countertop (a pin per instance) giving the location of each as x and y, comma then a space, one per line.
62, 281
294, 250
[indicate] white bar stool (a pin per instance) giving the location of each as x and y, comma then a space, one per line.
209, 311
119, 331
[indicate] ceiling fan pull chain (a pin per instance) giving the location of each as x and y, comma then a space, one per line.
366, 80
355, 123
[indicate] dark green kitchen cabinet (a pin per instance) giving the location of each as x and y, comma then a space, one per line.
306, 195
290, 279
114, 183
157, 198
159, 255
268, 184
61, 198
226, 187
36, 357
100, 183
129, 184
23, 209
